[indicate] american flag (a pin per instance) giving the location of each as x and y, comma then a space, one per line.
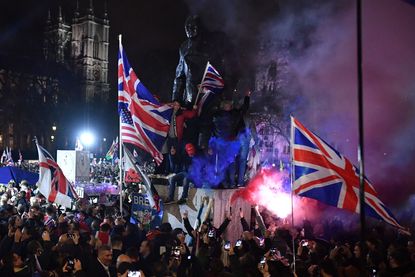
144, 121
322, 173
52, 182
211, 85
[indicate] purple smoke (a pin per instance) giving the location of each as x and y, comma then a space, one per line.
320, 39
210, 169
327, 74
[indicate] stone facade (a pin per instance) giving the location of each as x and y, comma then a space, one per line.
270, 102
43, 94
82, 46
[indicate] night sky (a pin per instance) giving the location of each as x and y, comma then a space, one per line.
152, 33
322, 64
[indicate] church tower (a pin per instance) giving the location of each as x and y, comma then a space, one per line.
89, 52
56, 39
82, 47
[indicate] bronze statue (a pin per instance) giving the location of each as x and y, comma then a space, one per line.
200, 47
194, 54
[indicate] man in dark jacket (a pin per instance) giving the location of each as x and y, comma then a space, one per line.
101, 266
182, 176
227, 122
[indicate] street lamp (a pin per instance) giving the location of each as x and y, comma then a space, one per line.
87, 138
54, 127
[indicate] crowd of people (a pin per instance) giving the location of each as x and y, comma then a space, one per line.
101, 171
41, 239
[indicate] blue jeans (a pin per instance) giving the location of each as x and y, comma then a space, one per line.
230, 172
243, 155
179, 177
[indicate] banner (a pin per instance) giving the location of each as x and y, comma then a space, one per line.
141, 212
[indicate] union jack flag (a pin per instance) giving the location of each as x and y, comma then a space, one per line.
212, 84
52, 182
212, 80
144, 121
322, 173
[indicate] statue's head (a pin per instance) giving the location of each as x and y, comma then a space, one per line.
192, 26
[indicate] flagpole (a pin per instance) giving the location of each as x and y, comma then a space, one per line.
292, 191
200, 87
360, 152
120, 144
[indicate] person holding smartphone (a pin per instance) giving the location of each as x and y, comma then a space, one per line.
73, 267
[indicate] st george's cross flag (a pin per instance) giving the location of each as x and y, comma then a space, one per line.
52, 182
144, 120
322, 173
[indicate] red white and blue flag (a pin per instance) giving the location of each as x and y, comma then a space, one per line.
212, 84
9, 161
322, 173
52, 182
144, 121
3, 157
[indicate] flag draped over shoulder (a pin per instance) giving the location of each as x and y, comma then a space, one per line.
322, 173
144, 121
52, 182
212, 84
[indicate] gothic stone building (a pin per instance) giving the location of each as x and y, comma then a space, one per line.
39, 94
270, 102
81, 45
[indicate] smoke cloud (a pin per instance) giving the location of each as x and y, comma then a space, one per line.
211, 169
318, 40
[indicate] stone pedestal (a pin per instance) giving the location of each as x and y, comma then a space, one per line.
221, 205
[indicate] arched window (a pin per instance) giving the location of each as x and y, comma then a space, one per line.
96, 47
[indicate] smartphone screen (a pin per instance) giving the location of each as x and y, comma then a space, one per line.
238, 243
134, 274
227, 245
262, 262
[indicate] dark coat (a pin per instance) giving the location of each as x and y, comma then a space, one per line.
95, 269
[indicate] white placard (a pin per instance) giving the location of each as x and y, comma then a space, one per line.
67, 160
74, 164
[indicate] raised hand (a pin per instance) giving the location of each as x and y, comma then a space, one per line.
46, 236
77, 265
